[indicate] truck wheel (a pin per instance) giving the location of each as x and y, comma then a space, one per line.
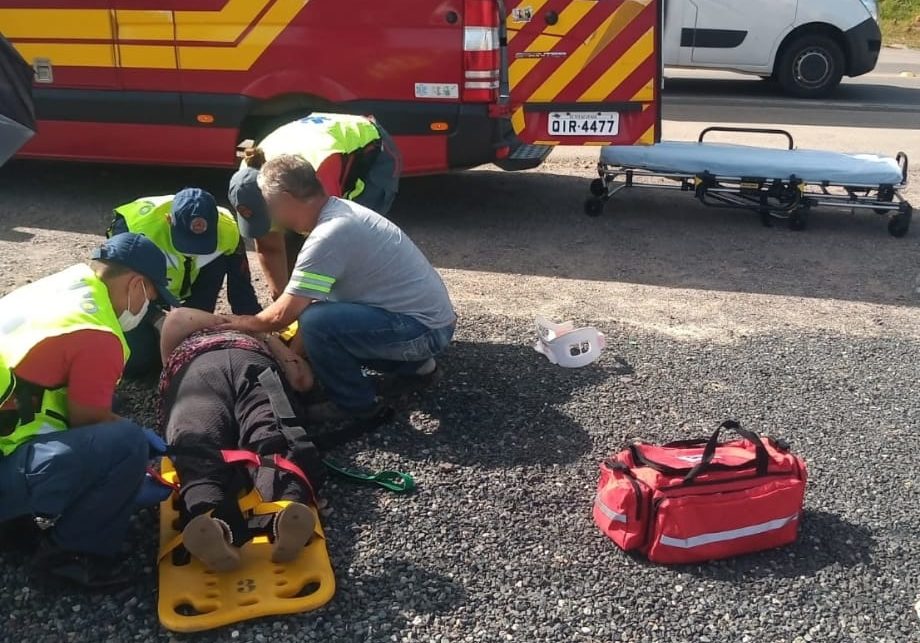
811, 66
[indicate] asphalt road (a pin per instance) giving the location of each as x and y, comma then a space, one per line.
889, 97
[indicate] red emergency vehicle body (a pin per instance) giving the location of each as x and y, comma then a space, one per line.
458, 83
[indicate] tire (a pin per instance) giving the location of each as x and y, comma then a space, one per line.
598, 187
811, 66
899, 224
594, 207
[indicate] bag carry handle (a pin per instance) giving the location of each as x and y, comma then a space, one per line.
761, 458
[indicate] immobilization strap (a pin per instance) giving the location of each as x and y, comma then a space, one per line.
394, 481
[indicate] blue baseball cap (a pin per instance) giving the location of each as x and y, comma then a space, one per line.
194, 222
246, 198
140, 254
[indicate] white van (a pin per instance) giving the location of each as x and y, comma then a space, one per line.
805, 45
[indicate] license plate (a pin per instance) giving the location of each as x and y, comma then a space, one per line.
584, 123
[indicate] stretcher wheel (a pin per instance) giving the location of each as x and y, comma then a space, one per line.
598, 187
594, 207
899, 224
886, 194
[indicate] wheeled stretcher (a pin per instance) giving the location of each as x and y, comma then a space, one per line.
776, 183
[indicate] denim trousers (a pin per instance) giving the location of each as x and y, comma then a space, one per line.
84, 480
341, 339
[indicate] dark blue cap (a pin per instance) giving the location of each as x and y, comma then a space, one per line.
140, 254
246, 198
194, 222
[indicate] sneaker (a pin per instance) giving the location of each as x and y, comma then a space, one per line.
209, 540
85, 570
292, 530
331, 412
398, 385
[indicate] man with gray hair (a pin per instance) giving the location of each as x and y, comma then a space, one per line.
363, 293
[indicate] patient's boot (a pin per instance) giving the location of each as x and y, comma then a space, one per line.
292, 529
210, 540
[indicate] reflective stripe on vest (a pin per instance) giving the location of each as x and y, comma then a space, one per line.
318, 136
149, 216
71, 300
731, 534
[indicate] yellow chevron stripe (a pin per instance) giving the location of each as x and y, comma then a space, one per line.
625, 14
514, 28
244, 55
144, 25
646, 94
568, 19
648, 137
195, 57
225, 25
147, 57
70, 55
576, 61
621, 69
520, 67
78, 24
517, 120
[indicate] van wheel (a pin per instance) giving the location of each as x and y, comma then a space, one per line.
811, 66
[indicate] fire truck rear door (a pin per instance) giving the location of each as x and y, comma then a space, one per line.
584, 72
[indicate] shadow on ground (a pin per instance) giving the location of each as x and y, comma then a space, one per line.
532, 224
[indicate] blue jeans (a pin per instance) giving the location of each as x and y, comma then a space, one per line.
342, 338
85, 478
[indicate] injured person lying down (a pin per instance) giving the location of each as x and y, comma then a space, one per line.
224, 396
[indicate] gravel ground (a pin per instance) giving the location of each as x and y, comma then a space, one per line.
814, 337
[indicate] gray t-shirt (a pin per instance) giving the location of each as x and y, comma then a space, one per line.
354, 255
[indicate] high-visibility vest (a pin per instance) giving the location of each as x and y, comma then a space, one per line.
148, 216
318, 136
71, 300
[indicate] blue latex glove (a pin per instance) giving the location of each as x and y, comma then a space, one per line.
152, 492
157, 444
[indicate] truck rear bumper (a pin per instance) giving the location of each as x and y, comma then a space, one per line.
864, 42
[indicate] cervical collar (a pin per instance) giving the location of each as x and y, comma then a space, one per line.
567, 346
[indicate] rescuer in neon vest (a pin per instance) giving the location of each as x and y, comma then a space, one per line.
65, 458
354, 158
202, 246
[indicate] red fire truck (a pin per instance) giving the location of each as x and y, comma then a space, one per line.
458, 83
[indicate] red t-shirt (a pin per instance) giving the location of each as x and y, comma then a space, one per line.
88, 362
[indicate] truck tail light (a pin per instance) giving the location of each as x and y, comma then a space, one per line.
481, 57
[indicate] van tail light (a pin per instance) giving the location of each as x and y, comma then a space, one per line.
481, 57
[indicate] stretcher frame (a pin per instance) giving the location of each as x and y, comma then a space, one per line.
784, 198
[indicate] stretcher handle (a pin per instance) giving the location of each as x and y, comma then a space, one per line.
901, 158
761, 459
748, 130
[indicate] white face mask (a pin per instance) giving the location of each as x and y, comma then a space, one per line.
128, 320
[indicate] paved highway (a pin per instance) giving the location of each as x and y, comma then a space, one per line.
889, 97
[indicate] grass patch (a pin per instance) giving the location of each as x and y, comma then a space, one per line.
900, 21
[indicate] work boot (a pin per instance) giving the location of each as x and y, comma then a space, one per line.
292, 529
210, 540
331, 412
428, 376
86, 570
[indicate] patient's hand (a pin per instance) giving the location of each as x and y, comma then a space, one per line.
296, 369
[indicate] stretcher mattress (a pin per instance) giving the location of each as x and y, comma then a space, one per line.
721, 159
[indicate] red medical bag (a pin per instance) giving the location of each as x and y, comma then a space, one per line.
697, 500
